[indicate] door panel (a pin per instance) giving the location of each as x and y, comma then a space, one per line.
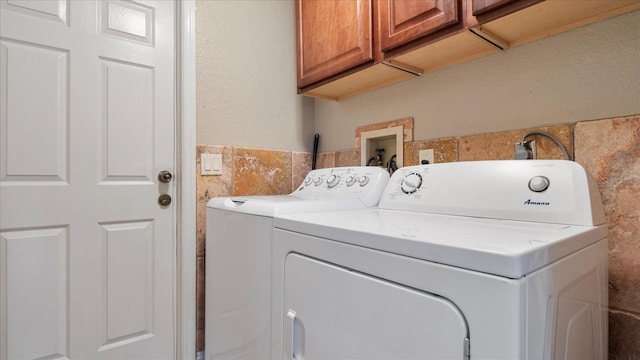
26, 62
127, 118
127, 20
55, 10
337, 313
127, 282
86, 122
35, 260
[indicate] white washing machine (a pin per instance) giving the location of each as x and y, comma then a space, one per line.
479, 260
238, 254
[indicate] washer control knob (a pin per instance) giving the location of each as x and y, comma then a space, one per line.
308, 181
411, 183
350, 180
333, 180
318, 181
363, 180
539, 183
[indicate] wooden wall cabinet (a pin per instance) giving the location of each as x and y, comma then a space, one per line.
337, 38
332, 36
518, 22
348, 47
338, 60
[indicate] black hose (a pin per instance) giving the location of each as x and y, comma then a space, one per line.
316, 139
392, 166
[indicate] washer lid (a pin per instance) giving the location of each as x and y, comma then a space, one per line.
281, 204
501, 247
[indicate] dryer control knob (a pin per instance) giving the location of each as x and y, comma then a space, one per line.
350, 180
411, 183
318, 181
363, 180
539, 183
333, 180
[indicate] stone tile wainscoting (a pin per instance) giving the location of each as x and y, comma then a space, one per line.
609, 149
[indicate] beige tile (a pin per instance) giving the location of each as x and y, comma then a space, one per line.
349, 157
624, 335
208, 187
610, 151
261, 172
444, 150
500, 145
300, 167
326, 160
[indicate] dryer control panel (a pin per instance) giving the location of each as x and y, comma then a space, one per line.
555, 191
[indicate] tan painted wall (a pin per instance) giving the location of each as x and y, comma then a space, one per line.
246, 79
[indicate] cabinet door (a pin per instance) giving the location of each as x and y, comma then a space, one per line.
401, 21
487, 10
482, 6
333, 36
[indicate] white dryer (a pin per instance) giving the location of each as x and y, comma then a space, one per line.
480, 260
238, 254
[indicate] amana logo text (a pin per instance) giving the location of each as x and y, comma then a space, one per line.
529, 202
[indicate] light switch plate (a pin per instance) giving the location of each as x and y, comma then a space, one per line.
211, 164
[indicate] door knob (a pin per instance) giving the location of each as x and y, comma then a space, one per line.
164, 176
164, 200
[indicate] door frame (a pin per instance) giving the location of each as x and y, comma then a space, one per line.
185, 292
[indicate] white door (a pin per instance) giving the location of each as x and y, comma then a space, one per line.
87, 255
332, 312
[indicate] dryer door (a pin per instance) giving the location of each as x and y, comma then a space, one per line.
332, 312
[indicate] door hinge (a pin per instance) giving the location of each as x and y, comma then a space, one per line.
467, 349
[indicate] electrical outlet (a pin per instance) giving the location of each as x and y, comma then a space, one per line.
426, 156
525, 151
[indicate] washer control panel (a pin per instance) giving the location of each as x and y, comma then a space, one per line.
357, 182
556, 191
